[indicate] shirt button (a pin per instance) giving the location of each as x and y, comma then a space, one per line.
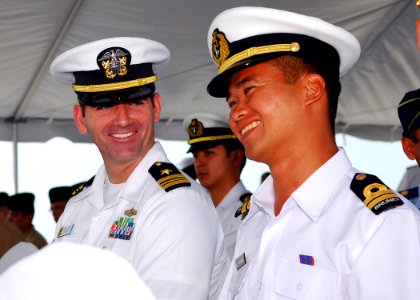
299, 286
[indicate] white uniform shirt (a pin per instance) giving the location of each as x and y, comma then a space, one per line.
176, 244
327, 244
226, 211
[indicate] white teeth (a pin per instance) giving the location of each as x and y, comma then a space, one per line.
250, 126
122, 135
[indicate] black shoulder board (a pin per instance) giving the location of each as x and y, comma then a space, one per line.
244, 209
168, 176
374, 193
410, 193
82, 186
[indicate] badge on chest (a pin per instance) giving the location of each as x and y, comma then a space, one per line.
123, 227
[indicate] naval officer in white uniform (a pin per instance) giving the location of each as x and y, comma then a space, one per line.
138, 205
317, 228
219, 159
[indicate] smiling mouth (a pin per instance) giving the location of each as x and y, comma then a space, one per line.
249, 127
122, 135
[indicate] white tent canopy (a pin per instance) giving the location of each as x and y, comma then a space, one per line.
36, 108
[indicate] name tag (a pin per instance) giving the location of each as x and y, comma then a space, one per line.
240, 261
65, 231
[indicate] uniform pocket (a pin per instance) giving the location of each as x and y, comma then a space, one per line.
304, 282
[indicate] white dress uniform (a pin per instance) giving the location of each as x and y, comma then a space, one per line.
226, 211
173, 239
327, 244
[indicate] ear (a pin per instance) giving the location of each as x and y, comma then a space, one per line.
315, 88
157, 102
238, 156
79, 119
28, 218
408, 148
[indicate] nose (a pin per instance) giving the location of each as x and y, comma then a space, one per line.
198, 160
121, 114
238, 111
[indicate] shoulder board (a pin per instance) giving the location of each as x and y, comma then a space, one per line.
82, 186
168, 176
244, 209
374, 193
411, 193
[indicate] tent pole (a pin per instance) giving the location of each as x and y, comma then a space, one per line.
15, 157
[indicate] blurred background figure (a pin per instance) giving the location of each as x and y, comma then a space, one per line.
409, 115
10, 235
45, 274
16, 253
58, 198
219, 159
3, 204
21, 213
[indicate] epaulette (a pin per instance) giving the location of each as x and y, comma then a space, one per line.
244, 209
168, 176
82, 186
374, 193
411, 193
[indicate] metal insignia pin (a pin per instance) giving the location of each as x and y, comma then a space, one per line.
130, 212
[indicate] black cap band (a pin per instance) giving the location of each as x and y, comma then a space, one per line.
107, 99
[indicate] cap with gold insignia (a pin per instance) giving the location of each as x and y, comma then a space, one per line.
207, 130
111, 71
409, 111
244, 36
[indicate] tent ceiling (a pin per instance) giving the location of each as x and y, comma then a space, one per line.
34, 107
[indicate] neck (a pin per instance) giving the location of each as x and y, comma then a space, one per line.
294, 168
119, 173
218, 192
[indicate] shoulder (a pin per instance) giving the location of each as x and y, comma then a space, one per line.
377, 196
167, 176
410, 193
80, 189
169, 182
245, 207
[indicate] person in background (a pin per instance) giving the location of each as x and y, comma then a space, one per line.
317, 228
59, 196
219, 159
21, 214
3, 204
138, 205
409, 115
10, 235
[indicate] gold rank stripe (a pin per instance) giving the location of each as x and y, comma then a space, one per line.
292, 47
163, 181
211, 138
114, 86
373, 202
173, 182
